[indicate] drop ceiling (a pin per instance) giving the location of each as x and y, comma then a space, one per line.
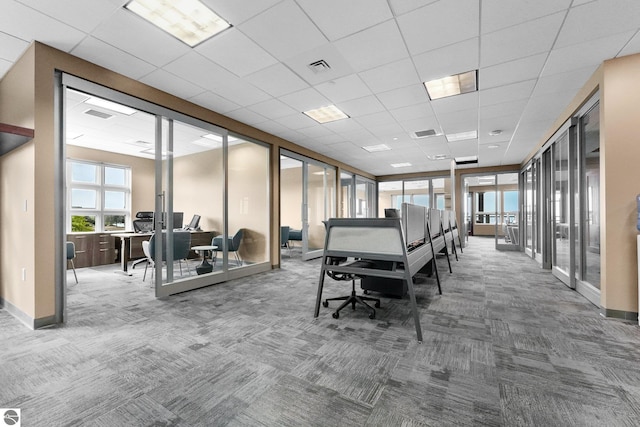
532, 57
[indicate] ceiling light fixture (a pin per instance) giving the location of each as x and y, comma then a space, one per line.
493, 146
376, 148
438, 157
190, 21
462, 136
109, 105
465, 160
326, 114
400, 165
495, 132
452, 85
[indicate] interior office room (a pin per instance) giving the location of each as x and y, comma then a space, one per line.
174, 167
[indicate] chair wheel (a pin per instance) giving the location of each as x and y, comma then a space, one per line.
325, 303
377, 304
336, 315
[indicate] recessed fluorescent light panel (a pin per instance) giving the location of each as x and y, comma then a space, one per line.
452, 85
190, 21
326, 114
462, 136
376, 148
400, 165
110, 105
465, 160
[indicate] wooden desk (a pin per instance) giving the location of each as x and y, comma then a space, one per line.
131, 245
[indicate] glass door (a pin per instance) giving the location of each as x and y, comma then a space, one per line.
365, 198
507, 199
318, 201
307, 198
561, 199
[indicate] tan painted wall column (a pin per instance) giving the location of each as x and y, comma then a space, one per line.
620, 166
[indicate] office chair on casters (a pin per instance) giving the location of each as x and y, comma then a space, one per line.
284, 238
352, 299
181, 248
71, 254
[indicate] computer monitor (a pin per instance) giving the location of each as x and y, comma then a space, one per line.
391, 213
195, 222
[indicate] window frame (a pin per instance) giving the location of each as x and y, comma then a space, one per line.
101, 188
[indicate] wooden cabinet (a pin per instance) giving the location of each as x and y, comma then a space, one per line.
93, 249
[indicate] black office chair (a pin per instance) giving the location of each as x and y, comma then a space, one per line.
352, 299
143, 222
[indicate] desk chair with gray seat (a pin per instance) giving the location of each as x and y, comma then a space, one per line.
233, 245
181, 248
71, 254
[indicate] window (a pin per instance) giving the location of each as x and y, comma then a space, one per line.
486, 207
98, 196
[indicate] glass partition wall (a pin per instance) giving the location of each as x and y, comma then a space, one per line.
201, 195
307, 199
358, 196
430, 192
562, 203
492, 208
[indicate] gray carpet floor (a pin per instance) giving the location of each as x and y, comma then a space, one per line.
506, 344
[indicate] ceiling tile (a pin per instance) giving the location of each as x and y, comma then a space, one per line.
100, 53
400, 7
172, 84
4, 67
28, 24
361, 106
140, 38
12, 47
198, 70
420, 123
403, 97
373, 47
283, 30
499, 14
573, 79
459, 121
511, 72
344, 88
236, 12
455, 59
412, 112
519, 41
272, 109
342, 126
375, 119
246, 116
503, 109
547, 106
451, 104
440, 24
84, 15
588, 54
306, 99
236, 52
391, 76
214, 102
277, 80
315, 131
296, 121
599, 19
338, 18
464, 148
506, 93
632, 47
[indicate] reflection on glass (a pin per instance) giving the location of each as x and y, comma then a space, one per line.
561, 203
114, 176
365, 194
590, 131
83, 199
528, 207
417, 192
508, 196
389, 196
346, 185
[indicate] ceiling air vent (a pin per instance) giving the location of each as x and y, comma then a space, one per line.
97, 113
425, 133
320, 66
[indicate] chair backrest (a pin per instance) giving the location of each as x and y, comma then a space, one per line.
235, 241
284, 234
143, 222
71, 250
181, 245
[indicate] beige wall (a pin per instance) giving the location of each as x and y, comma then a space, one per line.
619, 156
17, 189
291, 197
